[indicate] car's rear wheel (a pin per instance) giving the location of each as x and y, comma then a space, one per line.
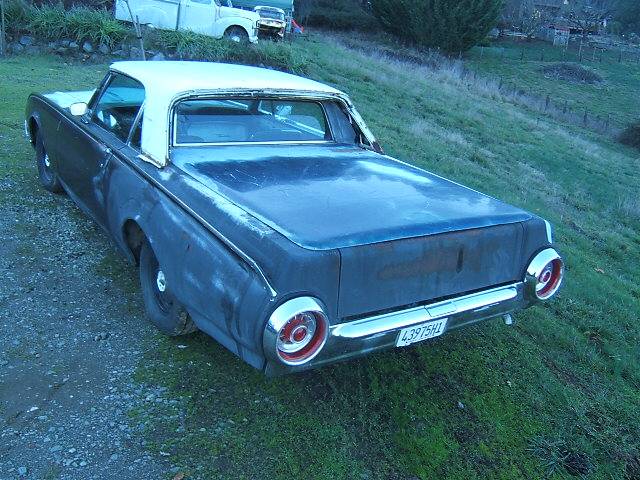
163, 310
236, 34
48, 178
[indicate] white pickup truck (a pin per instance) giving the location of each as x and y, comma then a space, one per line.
208, 17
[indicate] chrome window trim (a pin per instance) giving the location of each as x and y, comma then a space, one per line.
174, 122
289, 94
289, 142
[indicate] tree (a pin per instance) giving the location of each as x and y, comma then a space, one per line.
628, 14
3, 31
451, 25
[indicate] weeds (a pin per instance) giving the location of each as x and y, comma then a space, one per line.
53, 22
192, 46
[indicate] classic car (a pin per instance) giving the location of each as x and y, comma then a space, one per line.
272, 23
215, 18
261, 210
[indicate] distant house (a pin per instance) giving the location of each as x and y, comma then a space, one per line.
559, 34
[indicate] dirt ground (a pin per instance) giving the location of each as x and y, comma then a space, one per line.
71, 337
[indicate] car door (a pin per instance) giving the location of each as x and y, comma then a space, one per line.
105, 127
198, 16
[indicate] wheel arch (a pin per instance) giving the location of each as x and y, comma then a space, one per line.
134, 236
33, 126
237, 24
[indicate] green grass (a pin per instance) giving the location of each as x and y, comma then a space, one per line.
521, 64
555, 395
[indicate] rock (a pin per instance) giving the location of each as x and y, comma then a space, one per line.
32, 49
55, 448
103, 49
461, 405
158, 57
119, 53
73, 45
65, 42
22, 471
87, 47
27, 40
52, 45
135, 53
62, 50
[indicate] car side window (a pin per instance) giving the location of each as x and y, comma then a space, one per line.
136, 134
118, 105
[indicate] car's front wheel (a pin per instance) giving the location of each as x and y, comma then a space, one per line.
163, 310
236, 34
48, 178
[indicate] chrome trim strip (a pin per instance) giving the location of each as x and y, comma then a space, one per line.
287, 142
250, 261
378, 324
549, 232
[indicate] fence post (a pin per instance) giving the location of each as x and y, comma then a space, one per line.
620, 56
547, 101
522, 54
564, 108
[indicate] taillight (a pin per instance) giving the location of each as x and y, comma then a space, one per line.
545, 272
296, 332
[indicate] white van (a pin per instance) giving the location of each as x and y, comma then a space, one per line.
208, 17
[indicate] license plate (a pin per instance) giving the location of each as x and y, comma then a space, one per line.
421, 332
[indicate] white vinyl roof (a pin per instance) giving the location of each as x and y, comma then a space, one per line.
169, 78
165, 80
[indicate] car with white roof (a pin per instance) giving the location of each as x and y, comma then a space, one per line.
262, 211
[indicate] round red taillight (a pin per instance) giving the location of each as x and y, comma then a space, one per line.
544, 274
301, 337
296, 331
549, 279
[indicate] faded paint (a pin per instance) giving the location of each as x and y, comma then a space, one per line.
238, 230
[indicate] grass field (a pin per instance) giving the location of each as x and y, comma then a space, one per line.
521, 63
557, 395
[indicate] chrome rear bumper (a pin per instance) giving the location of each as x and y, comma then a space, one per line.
362, 336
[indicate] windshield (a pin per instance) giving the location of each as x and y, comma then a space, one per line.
207, 121
271, 14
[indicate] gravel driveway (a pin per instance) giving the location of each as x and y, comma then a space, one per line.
73, 332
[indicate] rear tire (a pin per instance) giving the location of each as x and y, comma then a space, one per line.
163, 310
236, 34
48, 178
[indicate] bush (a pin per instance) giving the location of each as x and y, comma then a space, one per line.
53, 22
571, 72
450, 25
631, 135
342, 15
97, 26
189, 45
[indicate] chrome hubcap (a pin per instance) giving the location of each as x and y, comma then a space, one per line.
47, 162
161, 281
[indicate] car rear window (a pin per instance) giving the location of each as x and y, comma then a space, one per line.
211, 121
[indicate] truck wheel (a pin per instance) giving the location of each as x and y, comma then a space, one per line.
48, 178
236, 34
163, 310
